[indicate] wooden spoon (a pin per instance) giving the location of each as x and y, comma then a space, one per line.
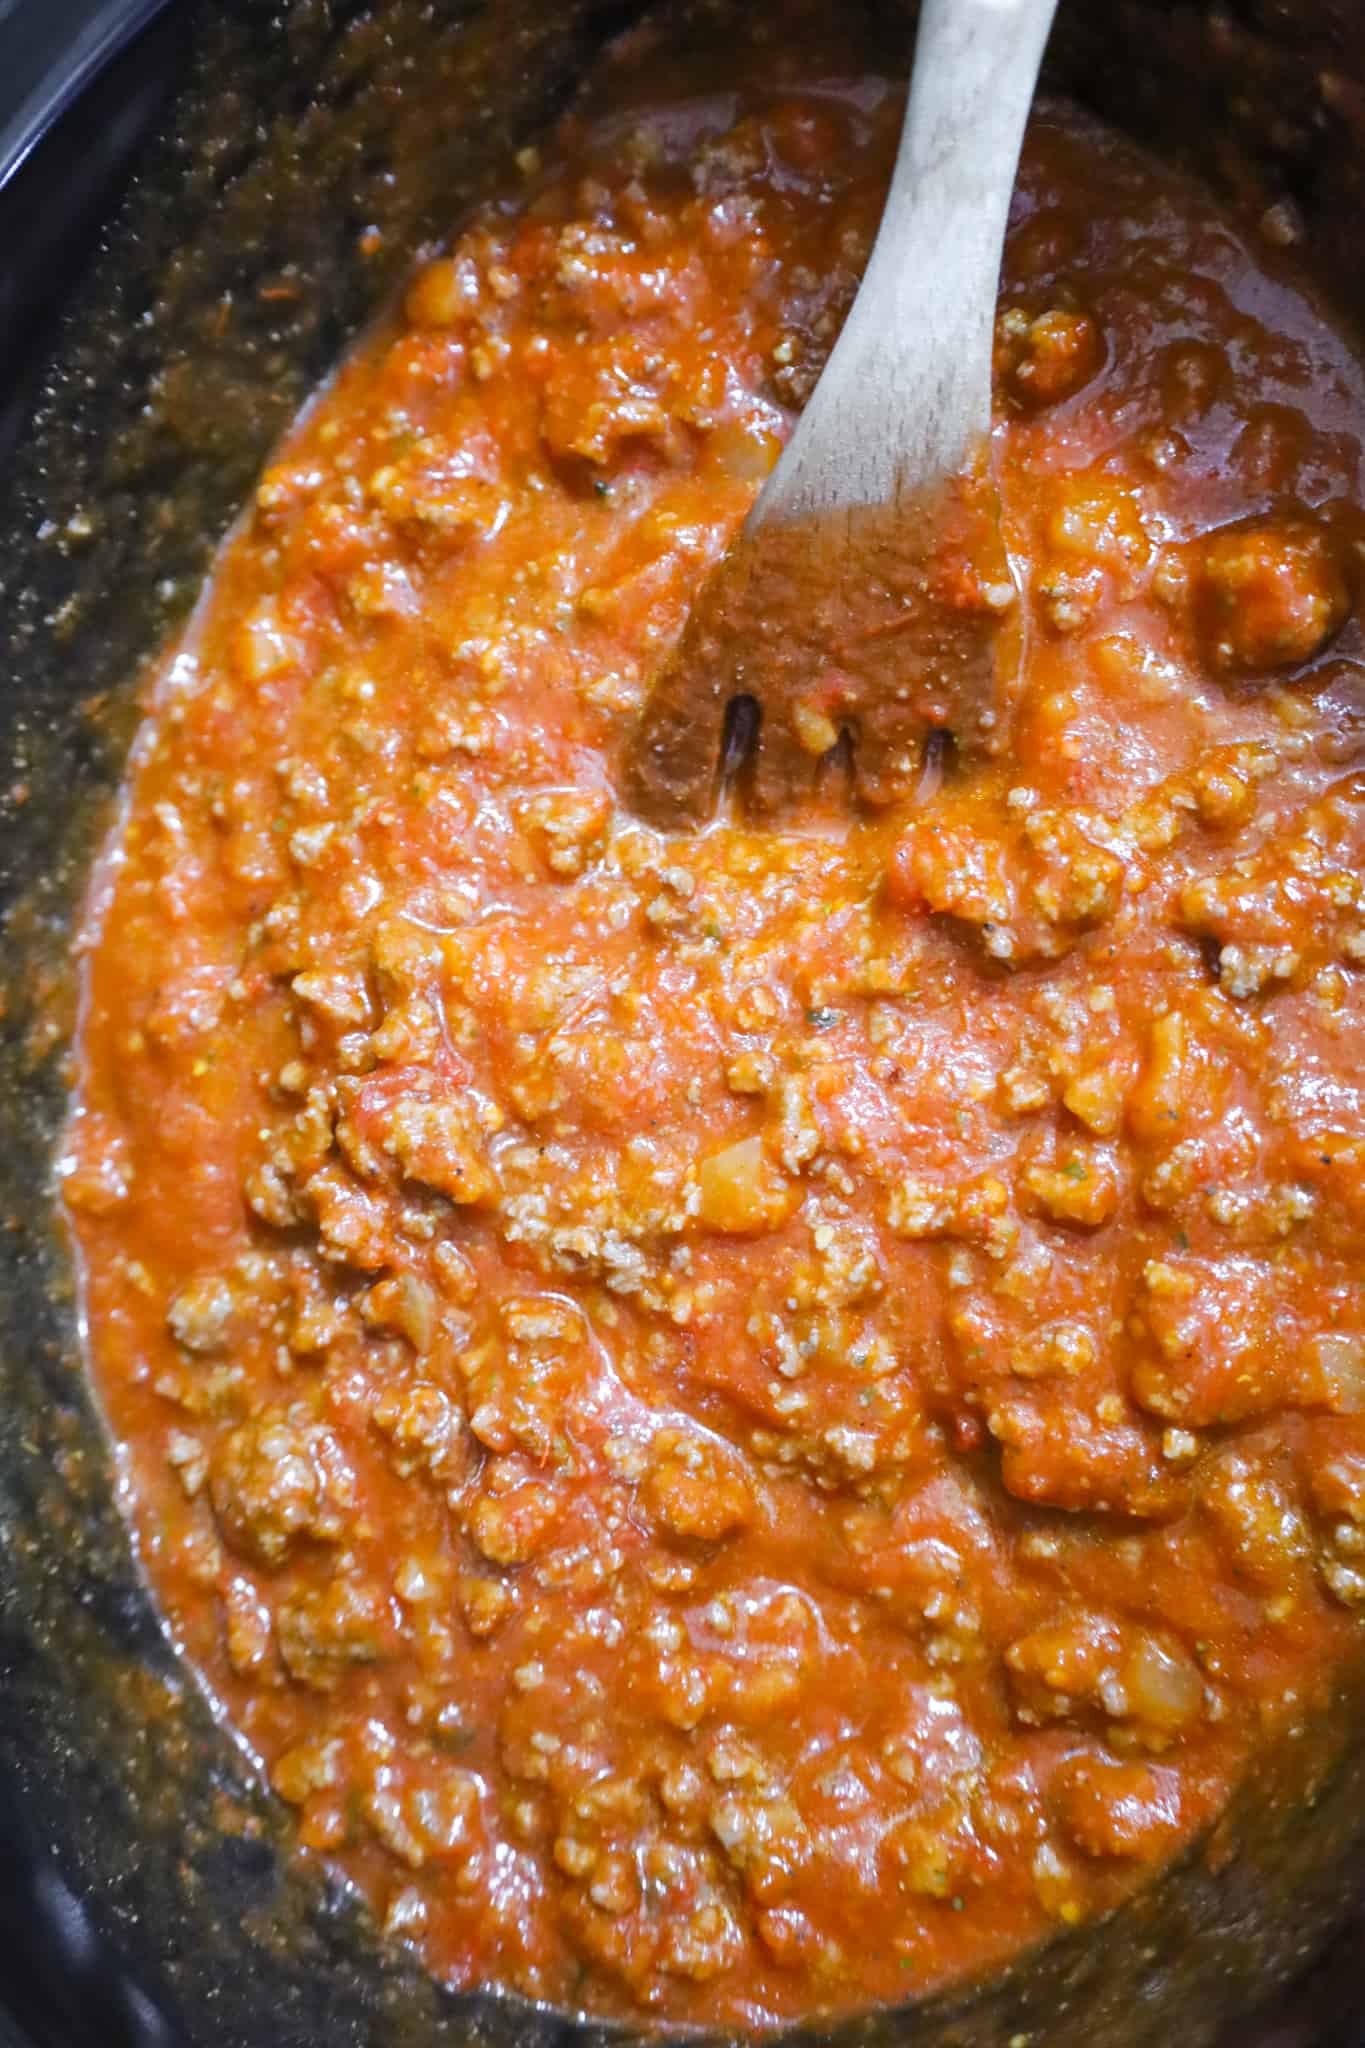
868, 602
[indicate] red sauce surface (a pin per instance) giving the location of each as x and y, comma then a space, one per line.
748, 1424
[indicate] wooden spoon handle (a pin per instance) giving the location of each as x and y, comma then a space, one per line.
906, 394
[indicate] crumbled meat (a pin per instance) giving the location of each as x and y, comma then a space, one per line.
276, 1482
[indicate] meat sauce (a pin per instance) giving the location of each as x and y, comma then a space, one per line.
748, 1424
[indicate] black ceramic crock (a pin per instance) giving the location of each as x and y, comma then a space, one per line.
160, 162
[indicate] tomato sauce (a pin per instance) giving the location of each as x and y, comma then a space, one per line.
748, 1424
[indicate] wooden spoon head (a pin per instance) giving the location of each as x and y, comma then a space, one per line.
870, 627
